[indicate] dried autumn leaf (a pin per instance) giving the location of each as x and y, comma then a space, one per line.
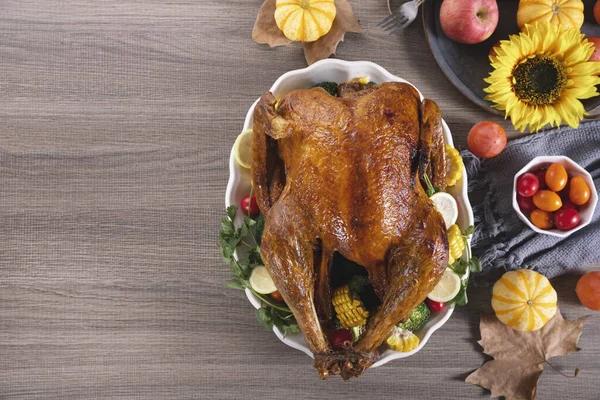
266, 31
265, 28
345, 21
519, 357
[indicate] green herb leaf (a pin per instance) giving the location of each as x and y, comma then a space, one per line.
475, 264
256, 230
469, 231
461, 298
460, 266
231, 211
254, 257
236, 284
264, 317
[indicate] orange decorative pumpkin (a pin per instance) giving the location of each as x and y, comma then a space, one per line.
304, 20
524, 300
566, 13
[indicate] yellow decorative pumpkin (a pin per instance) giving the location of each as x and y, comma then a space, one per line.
524, 300
567, 13
304, 20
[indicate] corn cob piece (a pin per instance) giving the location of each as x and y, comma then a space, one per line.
402, 340
349, 309
456, 244
454, 166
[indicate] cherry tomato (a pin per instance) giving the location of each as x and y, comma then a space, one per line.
541, 175
528, 185
588, 290
547, 200
276, 295
566, 219
340, 339
249, 204
486, 139
568, 204
492, 52
435, 306
579, 191
542, 219
556, 177
525, 204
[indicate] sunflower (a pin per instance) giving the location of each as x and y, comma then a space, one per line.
541, 74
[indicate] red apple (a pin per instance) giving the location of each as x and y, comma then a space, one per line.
597, 11
469, 21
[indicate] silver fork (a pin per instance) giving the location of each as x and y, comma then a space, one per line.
401, 18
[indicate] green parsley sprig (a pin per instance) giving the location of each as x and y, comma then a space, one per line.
464, 268
246, 240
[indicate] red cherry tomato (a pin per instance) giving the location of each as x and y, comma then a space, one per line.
435, 306
541, 175
579, 191
525, 204
542, 219
528, 185
547, 200
588, 290
276, 295
556, 177
249, 206
568, 204
486, 139
567, 219
340, 339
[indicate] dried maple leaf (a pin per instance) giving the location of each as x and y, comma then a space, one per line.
519, 357
345, 21
266, 31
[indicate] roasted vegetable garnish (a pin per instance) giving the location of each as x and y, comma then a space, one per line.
456, 244
349, 309
454, 166
417, 319
330, 87
402, 340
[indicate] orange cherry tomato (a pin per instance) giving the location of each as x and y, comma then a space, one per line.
276, 295
486, 139
542, 219
556, 177
588, 290
547, 200
579, 191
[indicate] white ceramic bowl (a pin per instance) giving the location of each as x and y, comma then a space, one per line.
239, 179
573, 169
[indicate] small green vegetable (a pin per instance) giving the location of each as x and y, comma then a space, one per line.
418, 318
464, 269
246, 240
330, 87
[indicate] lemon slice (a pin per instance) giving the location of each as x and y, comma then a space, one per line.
242, 148
447, 288
261, 281
446, 205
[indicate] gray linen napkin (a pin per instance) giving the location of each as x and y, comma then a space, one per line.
501, 240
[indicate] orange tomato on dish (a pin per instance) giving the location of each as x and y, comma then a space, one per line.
547, 200
556, 177
588, 290
579, 191
542, 219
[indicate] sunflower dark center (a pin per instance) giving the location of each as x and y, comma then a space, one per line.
539, 80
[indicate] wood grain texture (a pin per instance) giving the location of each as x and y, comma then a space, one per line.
117, 118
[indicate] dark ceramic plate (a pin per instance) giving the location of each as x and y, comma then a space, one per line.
467, 65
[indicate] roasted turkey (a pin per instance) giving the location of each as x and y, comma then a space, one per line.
343, 174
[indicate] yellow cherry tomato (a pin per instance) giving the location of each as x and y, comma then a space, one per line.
547, 200
556, 177
542, 219
579, 191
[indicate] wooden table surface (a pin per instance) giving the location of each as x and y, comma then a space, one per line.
117, 118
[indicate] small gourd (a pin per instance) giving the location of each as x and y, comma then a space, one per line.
402, 340
566, 13
304, 20
524, 300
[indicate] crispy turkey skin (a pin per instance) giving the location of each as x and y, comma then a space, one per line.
343, 175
